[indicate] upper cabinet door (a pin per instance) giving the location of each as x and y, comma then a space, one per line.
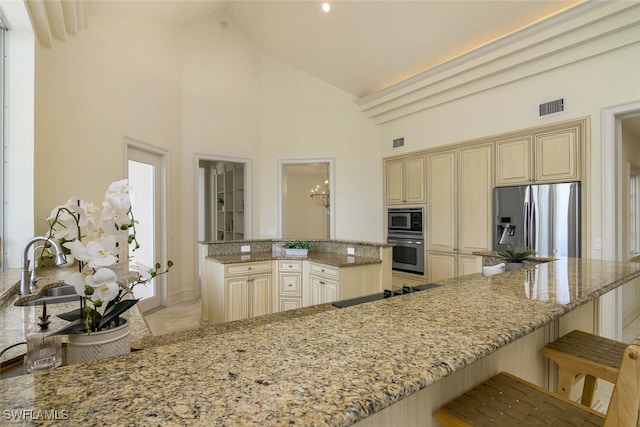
543, 157
442, 216
475, 208
414, 179
557, 155
514, 161
405, 180
395, 181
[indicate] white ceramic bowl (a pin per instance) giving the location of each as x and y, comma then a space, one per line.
493, 269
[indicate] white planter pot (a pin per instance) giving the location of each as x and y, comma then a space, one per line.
295, 252
85, 347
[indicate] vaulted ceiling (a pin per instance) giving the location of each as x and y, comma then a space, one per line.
359, 46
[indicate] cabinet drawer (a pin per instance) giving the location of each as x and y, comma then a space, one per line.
324, 270
294, 266
290, 284
247, 268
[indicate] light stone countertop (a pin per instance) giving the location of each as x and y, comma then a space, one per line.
332, 366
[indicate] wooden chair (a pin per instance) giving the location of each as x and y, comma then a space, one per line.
506, 400
580, 354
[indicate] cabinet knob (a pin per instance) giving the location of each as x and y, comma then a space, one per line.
321, 282
290, 266
322, 269
249, 268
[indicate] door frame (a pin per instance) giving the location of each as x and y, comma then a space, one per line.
332, 192
610, 304
248, 197
161, 280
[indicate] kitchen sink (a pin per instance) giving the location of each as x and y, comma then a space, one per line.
54, 295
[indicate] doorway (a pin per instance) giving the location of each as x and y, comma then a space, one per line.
146, 171
307, 199
223, 200
616, 122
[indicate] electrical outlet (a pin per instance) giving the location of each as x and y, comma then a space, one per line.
245, 248
597, 244
351, 251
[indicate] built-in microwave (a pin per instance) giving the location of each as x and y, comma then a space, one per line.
404, 220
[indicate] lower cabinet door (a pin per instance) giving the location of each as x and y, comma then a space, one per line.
317, 287
440, 265
323, 290
331, 291
469, 264
237, 296
261, 296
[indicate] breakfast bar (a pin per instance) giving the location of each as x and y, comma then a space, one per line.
389, 361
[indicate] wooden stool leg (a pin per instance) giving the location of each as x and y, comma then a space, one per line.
566, 378
589, 389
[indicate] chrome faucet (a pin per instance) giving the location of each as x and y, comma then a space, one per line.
26, 280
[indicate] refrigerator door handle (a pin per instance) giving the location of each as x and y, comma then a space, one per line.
532, 227
526, 224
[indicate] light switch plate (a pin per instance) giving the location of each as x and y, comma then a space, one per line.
245, 248
597, 244
351, 251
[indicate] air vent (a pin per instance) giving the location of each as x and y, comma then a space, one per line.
398, 142
551, 107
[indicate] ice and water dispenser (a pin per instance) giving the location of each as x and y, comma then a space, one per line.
506, 231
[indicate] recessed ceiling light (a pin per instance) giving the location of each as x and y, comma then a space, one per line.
326, 6
224, 25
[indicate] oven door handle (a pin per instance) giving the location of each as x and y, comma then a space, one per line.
408, 242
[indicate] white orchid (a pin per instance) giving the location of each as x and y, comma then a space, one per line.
101, 252
105, 283
144, 270
78, 281
88, 232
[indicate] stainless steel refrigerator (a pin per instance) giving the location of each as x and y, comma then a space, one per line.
545, 218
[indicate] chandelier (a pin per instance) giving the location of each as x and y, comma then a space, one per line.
320, 196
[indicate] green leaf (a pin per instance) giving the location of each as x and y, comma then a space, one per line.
71, 316
116, 310
72, 328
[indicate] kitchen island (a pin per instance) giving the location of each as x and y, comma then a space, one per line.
380, 362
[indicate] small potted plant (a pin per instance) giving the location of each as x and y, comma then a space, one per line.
296, 248
515, 257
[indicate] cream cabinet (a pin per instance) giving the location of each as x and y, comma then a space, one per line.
445, 265
246, 289
290, 284
405, 180
459, 209
329, 283
238, 291
543, 157
324, 283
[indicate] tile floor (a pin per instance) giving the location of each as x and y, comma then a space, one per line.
185, 315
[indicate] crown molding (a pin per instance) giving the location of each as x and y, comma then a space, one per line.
550, 43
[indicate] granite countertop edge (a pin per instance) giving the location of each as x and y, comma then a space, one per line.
327, 258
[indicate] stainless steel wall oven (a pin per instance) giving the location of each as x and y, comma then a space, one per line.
405, 230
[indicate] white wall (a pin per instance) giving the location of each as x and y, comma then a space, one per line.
116, 79
304, 118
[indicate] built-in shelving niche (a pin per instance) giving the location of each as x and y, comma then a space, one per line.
223, 200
